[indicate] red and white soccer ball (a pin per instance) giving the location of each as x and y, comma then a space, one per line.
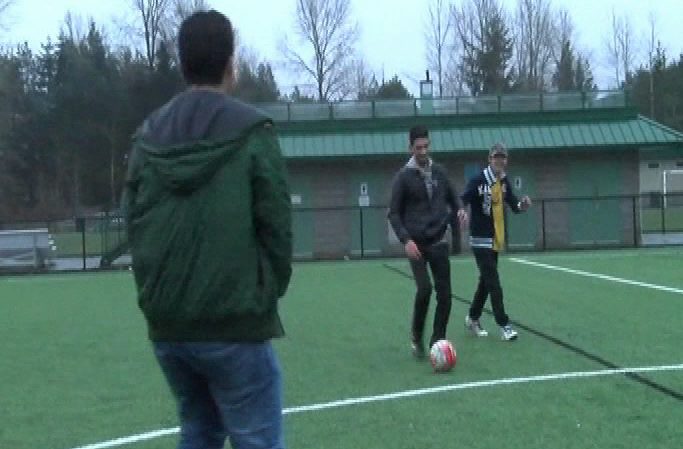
442, 355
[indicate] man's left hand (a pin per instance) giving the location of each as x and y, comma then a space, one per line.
525, 203
462, 218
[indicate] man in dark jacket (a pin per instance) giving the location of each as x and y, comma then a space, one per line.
486, 194
209, 224
423, 204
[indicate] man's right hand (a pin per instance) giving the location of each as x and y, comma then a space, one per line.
412, 251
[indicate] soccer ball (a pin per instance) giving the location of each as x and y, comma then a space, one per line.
442, 355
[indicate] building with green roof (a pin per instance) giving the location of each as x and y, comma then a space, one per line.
593, 165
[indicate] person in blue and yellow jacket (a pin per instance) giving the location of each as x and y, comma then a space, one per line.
487, 194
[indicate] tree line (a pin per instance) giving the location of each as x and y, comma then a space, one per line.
69, 109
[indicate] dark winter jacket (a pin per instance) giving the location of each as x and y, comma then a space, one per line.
209, 221
478, 195
413, 214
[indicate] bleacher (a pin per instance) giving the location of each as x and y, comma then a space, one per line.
26, 249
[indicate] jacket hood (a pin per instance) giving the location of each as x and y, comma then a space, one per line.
191, 137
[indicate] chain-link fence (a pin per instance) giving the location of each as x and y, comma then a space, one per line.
99, 241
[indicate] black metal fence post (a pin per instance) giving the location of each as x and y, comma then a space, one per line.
362, 240
663, 210
80, 225
543, 224
635, 222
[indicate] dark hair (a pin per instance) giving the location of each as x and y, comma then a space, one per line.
417, 132
206, 42
498, 148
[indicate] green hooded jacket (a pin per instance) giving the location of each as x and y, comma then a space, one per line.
209, 221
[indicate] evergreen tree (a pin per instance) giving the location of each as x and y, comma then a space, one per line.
256, 86
664, 91
495, 58
568, 72
298, 97
583, 76
485, 66
392, 89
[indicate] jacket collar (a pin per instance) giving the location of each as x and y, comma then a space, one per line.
490, 176
412, 163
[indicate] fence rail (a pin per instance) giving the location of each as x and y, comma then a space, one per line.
95, 242
462, 105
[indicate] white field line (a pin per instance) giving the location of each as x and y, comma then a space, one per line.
36, 279
47, 278
403, 394
598, 276
614, 254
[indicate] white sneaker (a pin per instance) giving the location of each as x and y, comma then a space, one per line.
474, 327
508, 333
417, 348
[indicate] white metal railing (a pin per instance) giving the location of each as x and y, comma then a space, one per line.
463, 105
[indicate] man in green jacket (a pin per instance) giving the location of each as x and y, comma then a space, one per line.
209, 224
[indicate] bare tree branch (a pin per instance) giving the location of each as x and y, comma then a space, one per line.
613, 52
651, 49
182, 9
363, 80
620, 48
468, 34
534, 42
152, 14
471, 21
325, 27
437, 36
4, 8
179, 10
564, 32
73, 27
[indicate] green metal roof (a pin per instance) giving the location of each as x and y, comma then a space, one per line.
604, 135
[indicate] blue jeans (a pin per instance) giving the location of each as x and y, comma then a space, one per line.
225, 390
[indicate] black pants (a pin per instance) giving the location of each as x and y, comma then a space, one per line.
437, 258
489, 283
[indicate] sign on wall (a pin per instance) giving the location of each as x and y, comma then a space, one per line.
364, 197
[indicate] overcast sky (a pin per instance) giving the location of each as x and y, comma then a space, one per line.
392, 31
